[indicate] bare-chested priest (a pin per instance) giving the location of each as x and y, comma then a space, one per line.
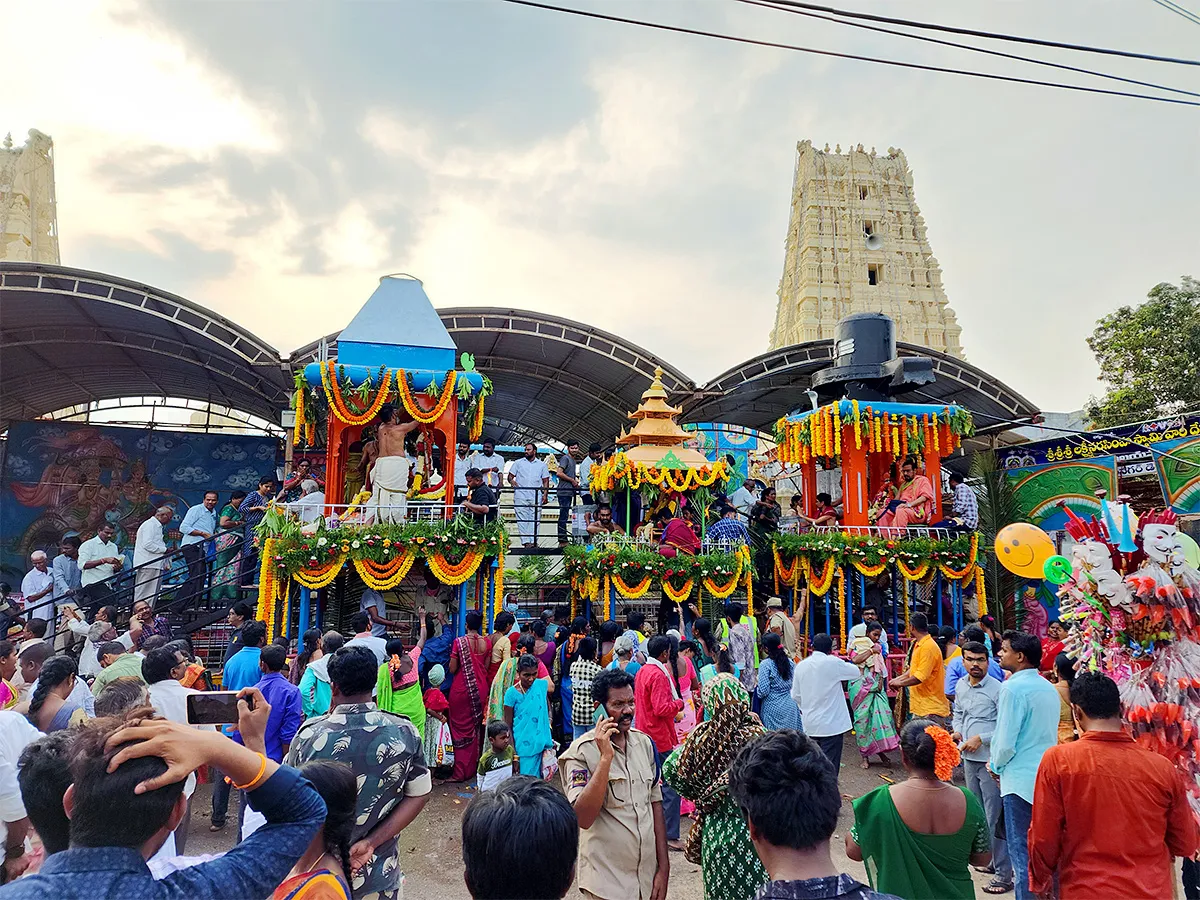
389, 474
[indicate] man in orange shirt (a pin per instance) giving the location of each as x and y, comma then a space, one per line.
925, 676
1106, 777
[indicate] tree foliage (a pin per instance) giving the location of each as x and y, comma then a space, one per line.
1149, 356
998, 507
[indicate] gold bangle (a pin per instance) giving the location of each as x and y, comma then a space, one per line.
253, 782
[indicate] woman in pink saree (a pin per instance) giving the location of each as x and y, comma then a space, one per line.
468, 696
914, 502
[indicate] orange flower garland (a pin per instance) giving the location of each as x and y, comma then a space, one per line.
267, 588
820, 584
316, 578
632, 593
337, 403
450, 573
869, 570
410, 402
385, 576
945, 755
784, 574
678, 596
841, 577
475, 430
913, 574
965, 572
721, 592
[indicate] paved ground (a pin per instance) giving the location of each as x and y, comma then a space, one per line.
432, 851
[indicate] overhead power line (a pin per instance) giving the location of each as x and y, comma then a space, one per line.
971, 32
772, 4
990, 76
1179, 10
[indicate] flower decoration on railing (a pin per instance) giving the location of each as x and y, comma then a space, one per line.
383, 554
817, 555
633, 571
821, 433
620, 473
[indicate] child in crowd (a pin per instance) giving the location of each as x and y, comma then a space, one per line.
496, 764
439, 745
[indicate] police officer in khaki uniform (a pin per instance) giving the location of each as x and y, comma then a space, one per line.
611, 780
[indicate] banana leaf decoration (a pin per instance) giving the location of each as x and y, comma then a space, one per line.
434, 388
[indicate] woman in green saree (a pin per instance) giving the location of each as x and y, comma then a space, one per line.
398, 689
917, 838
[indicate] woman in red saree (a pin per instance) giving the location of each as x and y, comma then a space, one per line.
468, 696
679, 534
914, 503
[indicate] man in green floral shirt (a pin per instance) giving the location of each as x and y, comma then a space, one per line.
384, 750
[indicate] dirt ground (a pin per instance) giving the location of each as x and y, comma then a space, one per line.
432, 851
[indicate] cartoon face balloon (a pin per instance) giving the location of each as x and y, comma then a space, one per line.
1158, 541
1023, 549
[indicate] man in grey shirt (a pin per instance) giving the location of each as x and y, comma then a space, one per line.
568, 485
976, 706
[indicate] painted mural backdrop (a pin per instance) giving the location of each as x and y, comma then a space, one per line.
59, 478
1039, 489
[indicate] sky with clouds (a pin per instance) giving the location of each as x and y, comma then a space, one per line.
271, 160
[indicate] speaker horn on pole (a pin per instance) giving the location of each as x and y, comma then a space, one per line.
874, 242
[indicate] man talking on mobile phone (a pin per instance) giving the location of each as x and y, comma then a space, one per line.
612, 781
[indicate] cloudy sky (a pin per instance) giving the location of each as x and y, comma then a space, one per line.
271, 160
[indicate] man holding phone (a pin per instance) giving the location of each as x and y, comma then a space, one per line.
611, 866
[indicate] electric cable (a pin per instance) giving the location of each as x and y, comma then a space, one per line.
990, 76
1179, 10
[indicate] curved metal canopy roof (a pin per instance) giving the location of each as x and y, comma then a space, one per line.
554, 378
69, 336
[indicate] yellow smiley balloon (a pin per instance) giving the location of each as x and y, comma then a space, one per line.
1023, 549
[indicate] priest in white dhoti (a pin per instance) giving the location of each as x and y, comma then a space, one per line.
530, 481
148, 549
390, 472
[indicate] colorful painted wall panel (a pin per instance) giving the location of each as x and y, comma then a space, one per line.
59, 478
1178, 466
1039, 489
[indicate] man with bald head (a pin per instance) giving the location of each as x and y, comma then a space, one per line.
148, 549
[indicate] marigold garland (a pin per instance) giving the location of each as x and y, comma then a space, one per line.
498, 586
298, 428
475, 430
841, 577
316, 578
819, 584
410, 402
607, 598
680, 595
784, 574
963, 573
337, 403
632, 593
721, 592
385, 576
913, 574
266, 584
869, 570
980, 593
452, 573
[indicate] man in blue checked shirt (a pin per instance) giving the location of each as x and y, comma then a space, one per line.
198, 526
108, 853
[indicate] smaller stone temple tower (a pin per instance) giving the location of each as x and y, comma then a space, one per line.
856, 243
28, 214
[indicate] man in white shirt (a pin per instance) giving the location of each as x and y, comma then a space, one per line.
490, 463
529, 476
37, 587
199, 525
817, 690
148, 548
311, 505
361, 623
743, 498
99, 560
462, 462
15, 735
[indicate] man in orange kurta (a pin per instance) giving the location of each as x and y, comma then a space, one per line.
915, 503
1108, 814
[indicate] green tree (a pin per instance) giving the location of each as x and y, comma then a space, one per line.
1149, 356
998, 507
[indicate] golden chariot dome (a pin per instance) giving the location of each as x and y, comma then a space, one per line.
656, 438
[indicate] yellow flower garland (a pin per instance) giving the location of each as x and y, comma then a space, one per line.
315, 579
296, 428
476, 428
266, 584
410, 403
914, 574
498, 600
869, 570
385, 576
337, 403
631, 593
451, 574
722, 592
678, 596
784, 574
980, 593
841, 577
965, 572
819, 584
607, 598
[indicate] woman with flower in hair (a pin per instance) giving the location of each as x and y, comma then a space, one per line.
917, 838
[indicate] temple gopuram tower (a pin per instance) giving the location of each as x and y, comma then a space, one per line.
856, 243
28, 216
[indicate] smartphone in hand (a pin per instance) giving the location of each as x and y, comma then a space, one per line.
213, 708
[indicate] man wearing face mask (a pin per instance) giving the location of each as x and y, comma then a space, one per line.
612, 781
